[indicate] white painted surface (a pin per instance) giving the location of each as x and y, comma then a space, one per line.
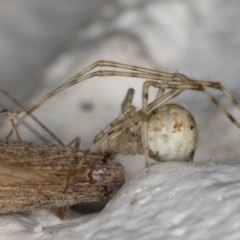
176, 200
173, 201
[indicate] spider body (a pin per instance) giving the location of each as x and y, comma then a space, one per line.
172, 134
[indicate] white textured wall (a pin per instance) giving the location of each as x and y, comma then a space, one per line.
173, 201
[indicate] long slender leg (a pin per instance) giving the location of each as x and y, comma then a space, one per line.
185, 86
173, 80
127, 102
4, 92
144, 126
14, 128
116, 123
76, 141
128, 99
134, 143
62, 212
132, 71
29, 127
160, 93
163, 100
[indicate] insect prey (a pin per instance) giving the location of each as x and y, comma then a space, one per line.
33, 176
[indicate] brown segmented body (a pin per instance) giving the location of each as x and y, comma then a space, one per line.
33, 176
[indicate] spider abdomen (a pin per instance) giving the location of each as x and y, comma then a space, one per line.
172, 134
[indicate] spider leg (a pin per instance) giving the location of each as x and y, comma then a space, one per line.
133, 71
218, 86
14, 127
130, 71
158, 102
128, 99
134, 143
61, 212
160, 93
76, 141
191, 86
111, 127
4, 92
117, 123
144, 125
119, 145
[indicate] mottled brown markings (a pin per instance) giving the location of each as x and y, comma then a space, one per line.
178, 124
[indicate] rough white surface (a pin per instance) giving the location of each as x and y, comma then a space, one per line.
173, 201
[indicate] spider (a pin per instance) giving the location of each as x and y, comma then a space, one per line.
132, 125
171, 132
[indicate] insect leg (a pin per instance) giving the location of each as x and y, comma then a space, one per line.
76, 141
60, 212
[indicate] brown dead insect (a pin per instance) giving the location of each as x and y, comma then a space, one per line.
133, 125
33, 176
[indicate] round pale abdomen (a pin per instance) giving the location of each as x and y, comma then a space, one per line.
172, 134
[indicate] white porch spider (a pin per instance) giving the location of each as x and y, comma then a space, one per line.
175, 82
